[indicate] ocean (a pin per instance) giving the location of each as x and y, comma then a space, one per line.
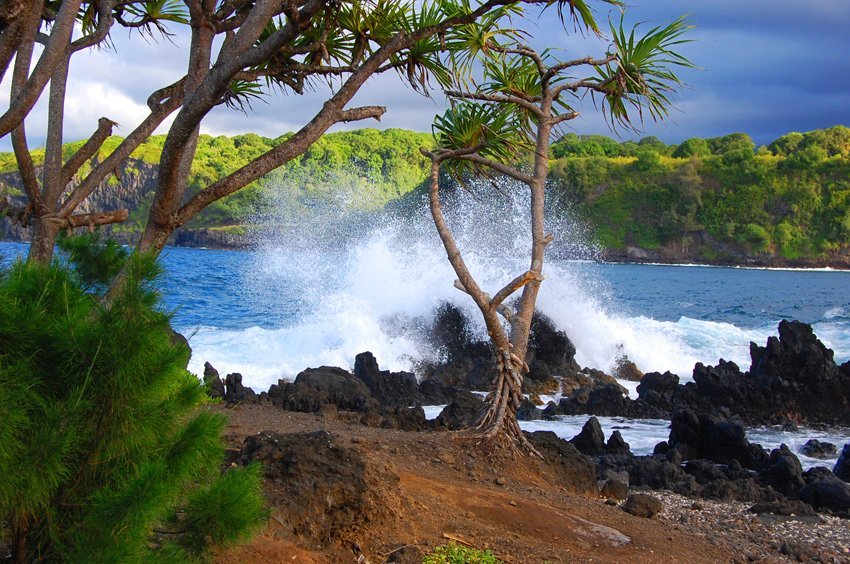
295, 302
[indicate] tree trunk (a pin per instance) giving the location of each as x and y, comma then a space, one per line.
43, 236
505, 399
20, 553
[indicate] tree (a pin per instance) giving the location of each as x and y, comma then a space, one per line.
239, 50
321, 40
523, 98
55, 195
105, 450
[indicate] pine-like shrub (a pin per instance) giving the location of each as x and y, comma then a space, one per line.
107, 453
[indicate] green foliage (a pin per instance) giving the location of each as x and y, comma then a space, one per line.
104, 436
641, 75
95, 260
454, 553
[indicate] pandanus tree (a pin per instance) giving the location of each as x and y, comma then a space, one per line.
238, 50
510, 117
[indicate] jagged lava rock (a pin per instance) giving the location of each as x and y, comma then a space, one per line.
392, 389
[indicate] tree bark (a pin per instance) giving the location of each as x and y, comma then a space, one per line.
43, 238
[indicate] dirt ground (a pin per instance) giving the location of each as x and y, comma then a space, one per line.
428, 488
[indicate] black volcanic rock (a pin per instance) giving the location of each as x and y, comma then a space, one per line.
709, 437
391, 389
316, 387
591, 439
818, 449
235, 392
842, 467
215, 387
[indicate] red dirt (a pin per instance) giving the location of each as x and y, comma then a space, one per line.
426, 488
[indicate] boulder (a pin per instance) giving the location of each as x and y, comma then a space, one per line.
403, 419
316, 387
235, 392
712, 438
528, 411
814, 448
391, 389
827, 492
783, 471
591, 439
212, 381
614, 489
642, 505
462, 413
658, 389
616, 444
842, 467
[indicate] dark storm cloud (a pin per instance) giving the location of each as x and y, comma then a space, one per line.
766, 68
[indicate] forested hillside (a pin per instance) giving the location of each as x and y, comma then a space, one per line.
711, 200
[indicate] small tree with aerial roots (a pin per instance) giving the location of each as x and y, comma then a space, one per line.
510, 118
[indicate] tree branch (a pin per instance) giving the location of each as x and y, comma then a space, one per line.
499, 167
555, 69
84, 153
21, 104
104, 24
98, 218
515, 285
127, 146
499, 99
586, 84
565, 117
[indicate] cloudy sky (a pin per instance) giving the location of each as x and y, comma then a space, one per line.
765, 68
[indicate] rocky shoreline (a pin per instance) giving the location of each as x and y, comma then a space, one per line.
793, 380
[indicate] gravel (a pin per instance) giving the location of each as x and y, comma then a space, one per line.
759, 538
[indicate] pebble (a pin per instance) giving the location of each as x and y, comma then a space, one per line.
730, 523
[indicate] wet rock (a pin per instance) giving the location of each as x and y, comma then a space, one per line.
842, 467
392, 389
316, 387
528, 411
212, 381
658, 389
317, 487
625, 369
711, 438
462, 413
235, 392
575, 470
616, 444
827, 492
814, 448
591, 439
642, 505
783, 471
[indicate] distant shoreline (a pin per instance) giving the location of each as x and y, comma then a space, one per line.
606, 257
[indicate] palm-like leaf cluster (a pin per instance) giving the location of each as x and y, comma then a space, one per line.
641, 74
490, 131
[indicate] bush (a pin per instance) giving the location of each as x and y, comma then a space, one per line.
454, 553
106, 451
